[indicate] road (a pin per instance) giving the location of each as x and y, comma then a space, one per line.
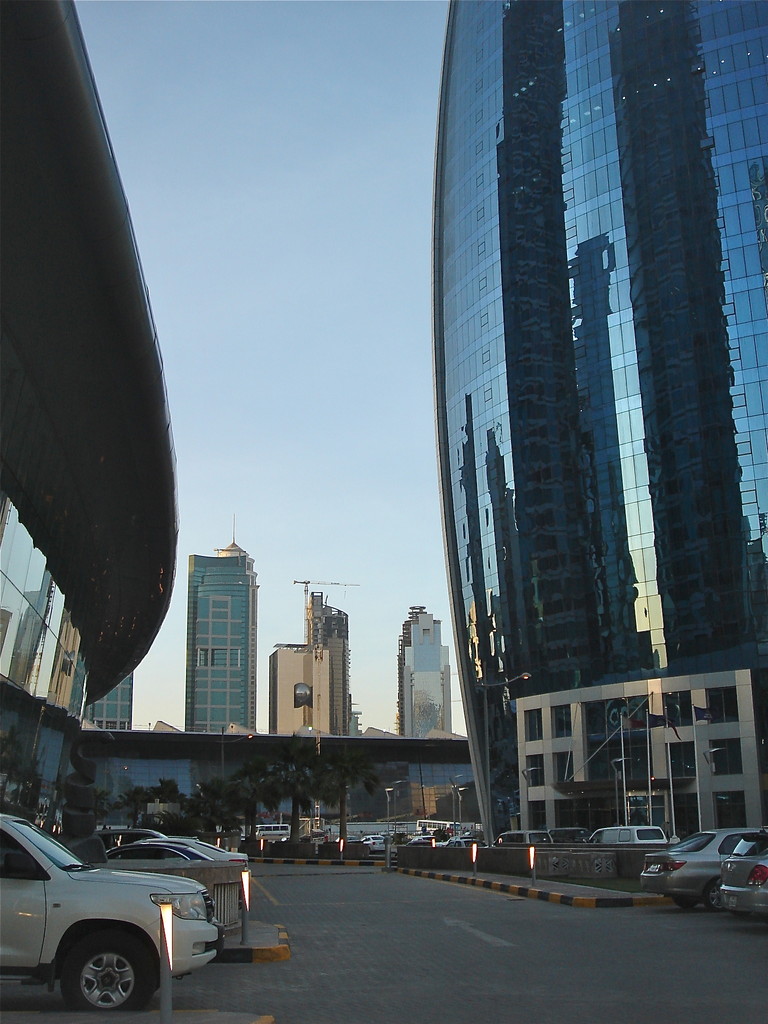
372, 948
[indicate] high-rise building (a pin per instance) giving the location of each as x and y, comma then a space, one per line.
222, 619
88, 519
423, 676
115, 711
309, 682
601, 368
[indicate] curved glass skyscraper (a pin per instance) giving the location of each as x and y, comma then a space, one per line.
601, 382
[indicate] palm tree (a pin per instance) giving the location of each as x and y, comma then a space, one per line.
134, 800
213, 804
256, 785
296, 778
340, 770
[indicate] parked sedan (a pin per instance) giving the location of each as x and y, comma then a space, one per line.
376, 844
154, 850
188, 842
689, 872
744, 888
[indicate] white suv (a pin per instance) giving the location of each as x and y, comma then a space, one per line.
96, 930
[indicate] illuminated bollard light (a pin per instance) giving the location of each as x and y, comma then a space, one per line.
474, 859
532, 863
166, 963
245, 877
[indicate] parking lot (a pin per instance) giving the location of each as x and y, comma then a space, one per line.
370, 946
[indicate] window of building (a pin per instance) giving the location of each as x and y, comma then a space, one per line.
202, 657
219, 656
723, 704
725, 757
678, 707
683, 759
730, 809
534, 769
537, 814
533, 727
561, 720
563, 763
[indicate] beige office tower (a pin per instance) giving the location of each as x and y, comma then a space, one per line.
309, 682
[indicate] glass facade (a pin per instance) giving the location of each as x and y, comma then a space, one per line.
601, 350
221, 641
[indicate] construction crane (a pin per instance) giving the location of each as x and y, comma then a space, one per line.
316, 583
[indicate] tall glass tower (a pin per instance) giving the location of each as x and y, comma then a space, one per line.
601, 380
222, 616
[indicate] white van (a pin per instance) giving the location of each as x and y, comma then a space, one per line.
620, 834
273, 833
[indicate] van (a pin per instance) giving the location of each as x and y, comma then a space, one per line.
524, 837
274, 833
618, 835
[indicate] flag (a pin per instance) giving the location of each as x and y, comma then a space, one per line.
654, 720
632, 722
702, 714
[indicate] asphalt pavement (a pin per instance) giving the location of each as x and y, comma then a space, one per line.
269, 943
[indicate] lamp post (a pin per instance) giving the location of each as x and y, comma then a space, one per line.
709, 758
459, 791
388, 792
395, 784
618, 766
486, 812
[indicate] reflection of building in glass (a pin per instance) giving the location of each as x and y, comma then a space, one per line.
87, 481
419, 772
309, 682
601, 338
115, 711
424, 676
222, 619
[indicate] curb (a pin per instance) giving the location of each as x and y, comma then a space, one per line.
314, 860
527, 892
257, 954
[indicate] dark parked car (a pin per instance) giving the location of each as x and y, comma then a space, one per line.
155, 850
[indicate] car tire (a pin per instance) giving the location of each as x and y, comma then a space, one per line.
685, 902
711, 894
108, 970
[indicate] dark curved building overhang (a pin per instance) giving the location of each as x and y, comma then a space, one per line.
85, 434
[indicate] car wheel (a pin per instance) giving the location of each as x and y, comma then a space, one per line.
108, 970
712, 896
685, 902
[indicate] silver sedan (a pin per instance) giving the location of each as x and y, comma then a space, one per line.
744, 888
689, 872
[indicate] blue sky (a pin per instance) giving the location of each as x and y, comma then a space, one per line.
278, 159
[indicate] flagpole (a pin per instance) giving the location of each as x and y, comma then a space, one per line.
624, 770
648, 752
671, 788
696, 769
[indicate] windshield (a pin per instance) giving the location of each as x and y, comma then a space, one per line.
50, 847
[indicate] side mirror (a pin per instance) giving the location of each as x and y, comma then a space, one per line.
20, 864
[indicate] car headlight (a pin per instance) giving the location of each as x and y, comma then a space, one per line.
188, 905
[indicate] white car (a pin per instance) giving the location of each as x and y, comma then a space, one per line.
618, 835
96, 930
376, 844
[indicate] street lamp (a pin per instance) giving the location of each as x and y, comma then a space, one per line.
459, 791
388, 791
617, 765
486, 812
395, 784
